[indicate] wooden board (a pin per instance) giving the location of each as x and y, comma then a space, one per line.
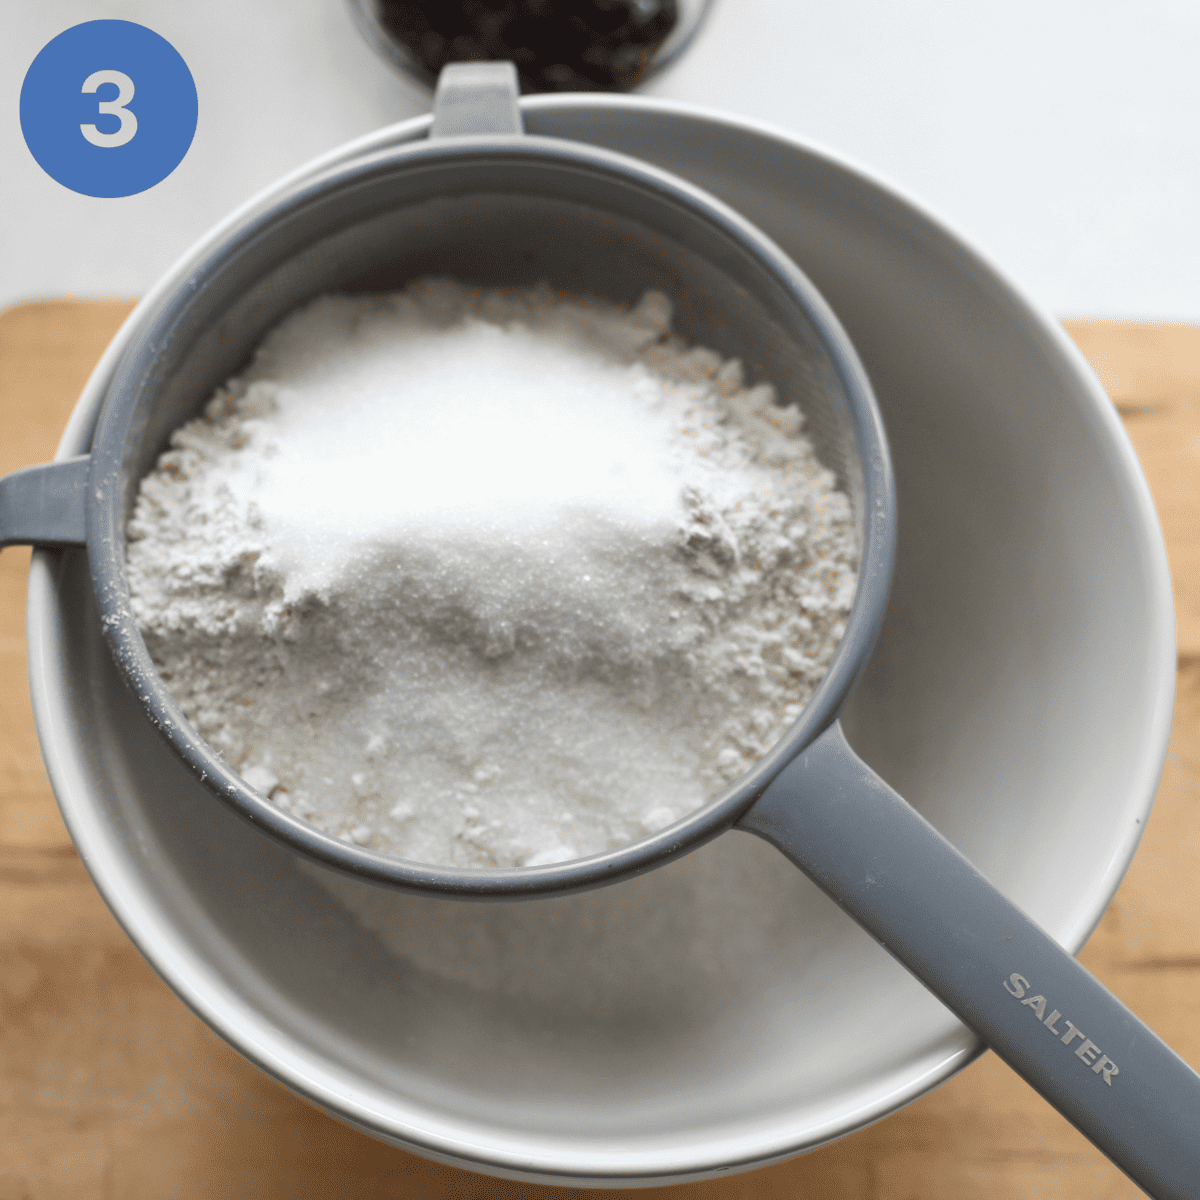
110, 1088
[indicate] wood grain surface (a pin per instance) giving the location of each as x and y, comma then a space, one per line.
110, 1088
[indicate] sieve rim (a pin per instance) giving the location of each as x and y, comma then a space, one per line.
106, 533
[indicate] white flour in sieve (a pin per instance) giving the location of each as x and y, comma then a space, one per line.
490, 578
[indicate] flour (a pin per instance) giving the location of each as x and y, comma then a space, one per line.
490, 578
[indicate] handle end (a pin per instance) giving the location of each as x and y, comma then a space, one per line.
44, 505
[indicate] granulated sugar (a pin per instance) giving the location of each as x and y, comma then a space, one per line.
490, 578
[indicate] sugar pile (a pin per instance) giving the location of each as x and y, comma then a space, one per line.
490, 578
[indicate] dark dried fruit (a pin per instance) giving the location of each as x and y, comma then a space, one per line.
557, 45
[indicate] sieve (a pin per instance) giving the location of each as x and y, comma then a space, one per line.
483, 202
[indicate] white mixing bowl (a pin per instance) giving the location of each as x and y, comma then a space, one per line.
718, 1013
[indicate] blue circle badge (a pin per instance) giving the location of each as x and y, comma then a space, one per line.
108, 108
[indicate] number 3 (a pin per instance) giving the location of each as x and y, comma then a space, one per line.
114, 107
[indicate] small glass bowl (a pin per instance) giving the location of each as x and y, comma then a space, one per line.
557, 45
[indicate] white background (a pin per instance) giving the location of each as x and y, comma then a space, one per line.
1062, 137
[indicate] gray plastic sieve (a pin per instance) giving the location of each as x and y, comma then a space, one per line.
485, 203
501, 208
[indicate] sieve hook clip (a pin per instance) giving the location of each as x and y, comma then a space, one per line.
475, 98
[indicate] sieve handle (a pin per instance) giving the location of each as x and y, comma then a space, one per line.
45, 505
1046, 1016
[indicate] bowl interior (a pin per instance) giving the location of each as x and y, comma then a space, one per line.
718, 1012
